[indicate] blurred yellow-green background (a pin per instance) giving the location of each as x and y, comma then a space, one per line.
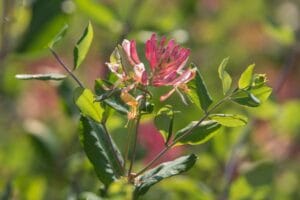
40, 154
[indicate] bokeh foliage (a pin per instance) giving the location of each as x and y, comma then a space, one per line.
40, 154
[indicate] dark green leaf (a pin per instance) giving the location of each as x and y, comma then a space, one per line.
163, 121
245, 98
201, 134
82, 46
252, 97
42, 77
246, 77
229, 120
198, 91
163, 171
111, 97
84, 99
101, 150
224, 76
59, 36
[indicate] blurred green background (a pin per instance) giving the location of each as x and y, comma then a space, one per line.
40, 154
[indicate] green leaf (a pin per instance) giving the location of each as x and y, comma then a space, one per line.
58, 36
42, 77
224, 76
229, 120
201, 134
110, 97
262, 92
82, 46
246, 77
198, 91
164, 170
84, 99
101, 150
252, 97
163, 121
99, 13
245, 98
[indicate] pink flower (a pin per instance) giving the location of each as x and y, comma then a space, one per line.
167, 62
140, 74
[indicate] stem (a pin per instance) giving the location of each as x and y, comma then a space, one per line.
126, 152
182, 136
66, 68
138, 119
134, 143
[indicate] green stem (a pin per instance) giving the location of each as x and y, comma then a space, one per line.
126, 152
66, 67
136, 126
182, 136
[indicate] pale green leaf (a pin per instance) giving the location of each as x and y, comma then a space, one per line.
85, 101
246, 77
229, 120
82, 46
42, 77
224, 76
58, 36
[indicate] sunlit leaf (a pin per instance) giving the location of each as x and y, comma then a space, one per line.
224, 76
101, 150
200, 134
42, 77
198, 91
59, 36
262, 92
85, 101
99, 13
246, 77
82, 46
164, 120
229, 120
163, 171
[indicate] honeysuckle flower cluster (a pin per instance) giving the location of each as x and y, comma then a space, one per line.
167, 65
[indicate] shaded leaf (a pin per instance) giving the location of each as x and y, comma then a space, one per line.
84, 99
224, 76
246, 77
163, 121
163, 171
201, 134
198, 91
245, 98
111, 97
42, 77
59, 36
229, 120
82, 46
101, 150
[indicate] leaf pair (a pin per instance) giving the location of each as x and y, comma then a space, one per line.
97, 143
